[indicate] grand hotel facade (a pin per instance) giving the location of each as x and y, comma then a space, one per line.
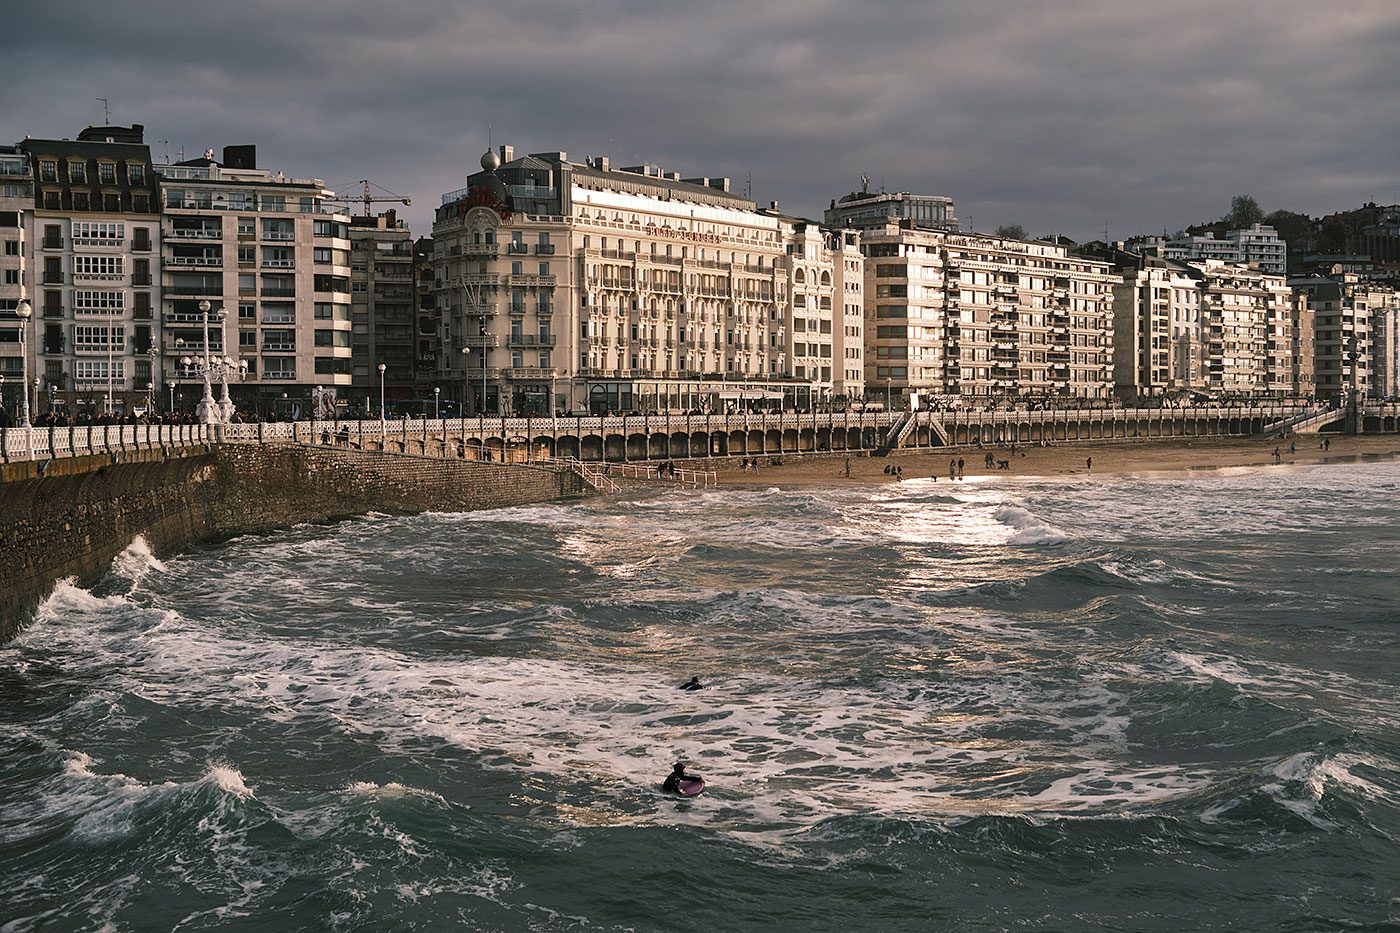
572, 287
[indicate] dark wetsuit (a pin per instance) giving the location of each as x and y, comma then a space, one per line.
672, 785
692, 685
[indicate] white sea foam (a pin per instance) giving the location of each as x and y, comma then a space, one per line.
391, 790
68, 597
1027, 529
136, 562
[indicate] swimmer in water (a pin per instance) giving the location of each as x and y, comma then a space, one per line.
672, 784
693, 684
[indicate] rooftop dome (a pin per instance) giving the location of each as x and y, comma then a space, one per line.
490, 161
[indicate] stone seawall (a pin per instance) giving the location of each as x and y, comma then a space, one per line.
71, 517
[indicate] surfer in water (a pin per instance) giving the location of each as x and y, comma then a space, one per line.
672, 784
693, 684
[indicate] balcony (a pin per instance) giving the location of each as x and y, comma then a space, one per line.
279, 348
480, 249
280, 236
517, 249
534, 280
529, 372
279, 292
481, 340
194, 233
544, 249
529, 340
211, 262
279, 264
278, 375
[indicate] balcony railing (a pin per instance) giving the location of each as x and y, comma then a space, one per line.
194, 233
208, 261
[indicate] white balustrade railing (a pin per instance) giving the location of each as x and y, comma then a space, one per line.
47, 442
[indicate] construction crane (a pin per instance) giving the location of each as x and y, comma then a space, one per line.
368, 198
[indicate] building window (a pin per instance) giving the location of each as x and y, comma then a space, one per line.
77, 172
48, 170
140, 204
12, 247
112, 203
107, 173
136, 173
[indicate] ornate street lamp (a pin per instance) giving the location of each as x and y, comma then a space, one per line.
208, 410
227, 366
382, 367
23, 311
437, 403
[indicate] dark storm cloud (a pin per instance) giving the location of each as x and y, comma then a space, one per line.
1063, 116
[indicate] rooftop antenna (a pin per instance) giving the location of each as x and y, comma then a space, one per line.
864, 183
748, 186
106, 111
166, 143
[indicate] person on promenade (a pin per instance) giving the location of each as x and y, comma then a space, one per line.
693, 684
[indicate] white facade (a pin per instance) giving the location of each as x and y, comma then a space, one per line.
271, 252
581, 287
950, 314
1257, 244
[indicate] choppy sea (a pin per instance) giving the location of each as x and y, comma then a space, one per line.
1127, 703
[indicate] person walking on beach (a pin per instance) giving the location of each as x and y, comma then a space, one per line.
848, 468
1089, 464
952, 469
1327, 443
1278, 456
961, 464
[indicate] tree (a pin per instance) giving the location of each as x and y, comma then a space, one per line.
1293, 228
1012, 231
1244, 212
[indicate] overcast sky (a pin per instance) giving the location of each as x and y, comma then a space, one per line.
1062, 115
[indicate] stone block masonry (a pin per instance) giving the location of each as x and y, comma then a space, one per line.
71, 517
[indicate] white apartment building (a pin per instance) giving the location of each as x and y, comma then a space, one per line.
1385, 344
1342, 333
273, 254
16, 204
825, 343
1257, 244
972, 315
1205, 329
1247, 320
584, 287
93, 237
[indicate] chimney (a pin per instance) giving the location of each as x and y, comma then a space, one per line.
773, 206
507, 154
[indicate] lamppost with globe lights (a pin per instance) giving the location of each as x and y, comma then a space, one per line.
207, 410
153, 355
437, 403
382, 428
23, 311
226, 367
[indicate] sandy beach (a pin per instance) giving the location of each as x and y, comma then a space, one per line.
1141, 456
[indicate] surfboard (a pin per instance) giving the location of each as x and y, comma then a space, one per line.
692, 787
